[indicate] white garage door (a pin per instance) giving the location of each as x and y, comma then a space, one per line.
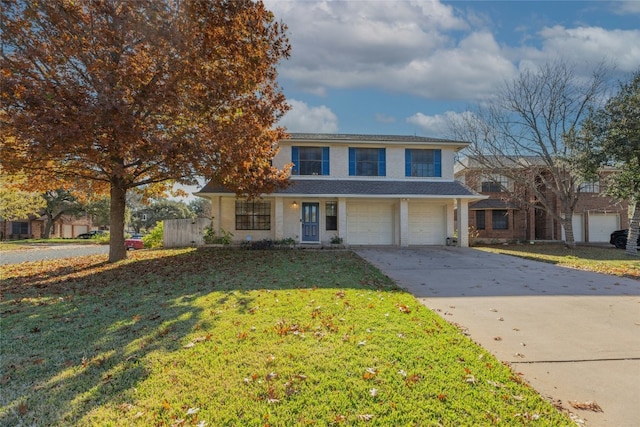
578, 228
79, 229
601, 226
370, 223
427, 224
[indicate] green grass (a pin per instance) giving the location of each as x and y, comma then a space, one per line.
606, 260
241, 338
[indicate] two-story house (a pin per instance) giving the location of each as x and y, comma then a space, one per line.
363, 189
503, 218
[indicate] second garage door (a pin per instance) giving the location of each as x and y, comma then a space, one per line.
601, 226
427, 224
370, 223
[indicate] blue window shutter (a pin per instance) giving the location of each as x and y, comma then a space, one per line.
295, 159
437, 160
325, 160
382, 166
352, 161
407, 162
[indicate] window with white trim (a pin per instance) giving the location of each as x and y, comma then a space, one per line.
254, 215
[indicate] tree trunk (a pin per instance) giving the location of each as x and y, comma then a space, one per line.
632, 237
567, 223
47, 227
117, 250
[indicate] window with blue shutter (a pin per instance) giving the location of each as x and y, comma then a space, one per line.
325, 161
423, 163
352, 161
367, 162
382, 162
310, 160
295, 159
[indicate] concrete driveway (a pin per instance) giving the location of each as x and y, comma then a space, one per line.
573, 335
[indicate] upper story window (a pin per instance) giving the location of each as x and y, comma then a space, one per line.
590, 187
494, 184
253, 215
310, 160
423, 162
367, 162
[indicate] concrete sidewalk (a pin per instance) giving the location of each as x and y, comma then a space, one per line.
574, 335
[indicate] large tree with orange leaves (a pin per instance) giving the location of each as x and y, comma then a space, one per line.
113, 95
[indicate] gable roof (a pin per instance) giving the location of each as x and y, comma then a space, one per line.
363, 188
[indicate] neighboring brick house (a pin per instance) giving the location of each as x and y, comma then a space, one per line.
66, 227
363, 189
501, 218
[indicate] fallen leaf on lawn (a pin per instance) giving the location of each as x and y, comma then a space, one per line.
271, 376
373, 392
365, 417
23, 408
588, 405
203, 338
189, 345
201, 424
166, 405
192, 411
470, 379
369, 373
404, 308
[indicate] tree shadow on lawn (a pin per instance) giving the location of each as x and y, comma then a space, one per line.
76, 336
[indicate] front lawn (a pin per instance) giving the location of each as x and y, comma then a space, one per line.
240, 338
606, 260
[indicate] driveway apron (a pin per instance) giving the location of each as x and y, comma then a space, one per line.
573, 335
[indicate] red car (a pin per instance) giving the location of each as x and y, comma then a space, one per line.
135, 242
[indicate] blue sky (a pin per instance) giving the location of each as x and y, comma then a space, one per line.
402, 67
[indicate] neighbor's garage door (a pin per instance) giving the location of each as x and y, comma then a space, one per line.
427, 224
67, 231
601, 226
79, 229
370, 223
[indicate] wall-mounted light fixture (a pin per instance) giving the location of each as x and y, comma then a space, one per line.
294, 204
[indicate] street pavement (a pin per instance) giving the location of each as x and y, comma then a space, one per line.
573, 335
41, 252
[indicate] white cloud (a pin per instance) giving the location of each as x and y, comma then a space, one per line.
438, 125
303, 118
627, 7
427, 48
593, 45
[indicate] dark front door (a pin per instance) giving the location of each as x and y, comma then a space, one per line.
310, 222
